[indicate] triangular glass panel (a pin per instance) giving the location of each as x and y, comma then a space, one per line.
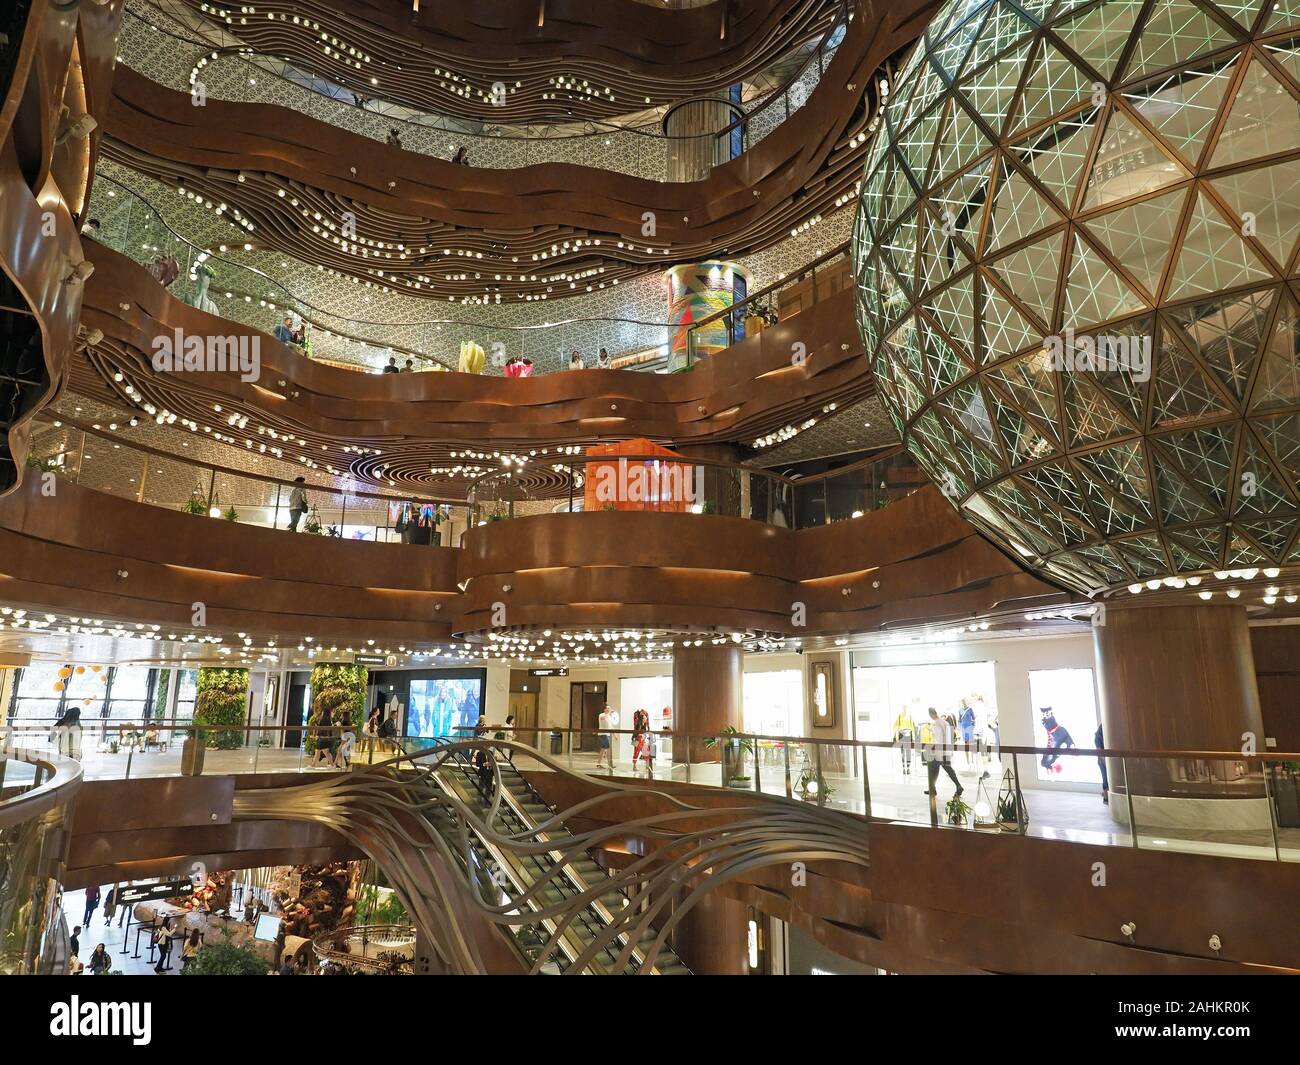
1104, 560
959, 202
1128, 164
1094, 293
951, 53
1241, 552
1227, 334
1060, 526
942, 255
1005, 27
1056, 155
1003, 328
943, 365
1213, 257
1018, 211
1120, 363
961, 142
1122, 467
1174, 32
991, 90
1031, 383
1183, 394
1182, 107
1056, 481
1272, 537
1055, 86
1145, 555
1264, 120
967, 410
1099, 34
1205, 456
1030, 274
954, 309
1285, 13
1180, 502
1280, 433
1090, 414
1021, 440
1259, 490
1243, 12
1266, 199
1140, 236
916, 143
1278, 383
1204, 543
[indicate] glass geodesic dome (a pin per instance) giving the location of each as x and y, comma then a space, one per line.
1076, 262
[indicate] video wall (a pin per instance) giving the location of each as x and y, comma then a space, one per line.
439, 706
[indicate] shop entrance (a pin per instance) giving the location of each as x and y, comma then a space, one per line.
295, 711
523, 705
887, 698
586, 700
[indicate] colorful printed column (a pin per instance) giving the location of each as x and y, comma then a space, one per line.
696, 291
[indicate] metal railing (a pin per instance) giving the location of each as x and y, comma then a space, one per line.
1227, 803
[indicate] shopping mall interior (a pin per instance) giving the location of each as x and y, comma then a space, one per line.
848, 522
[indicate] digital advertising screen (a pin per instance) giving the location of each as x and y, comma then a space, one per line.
438, 706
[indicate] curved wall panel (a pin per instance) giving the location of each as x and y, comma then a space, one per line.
915, 561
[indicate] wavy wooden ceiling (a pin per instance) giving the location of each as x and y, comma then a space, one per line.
418, 420
427, 227
445, 58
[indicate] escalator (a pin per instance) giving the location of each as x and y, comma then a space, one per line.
509, 874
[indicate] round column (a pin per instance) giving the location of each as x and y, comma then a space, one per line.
697, 291
708, 694
695, 143
1180, 678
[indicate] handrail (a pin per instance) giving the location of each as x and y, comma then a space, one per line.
432, 743
785, 282
57, 780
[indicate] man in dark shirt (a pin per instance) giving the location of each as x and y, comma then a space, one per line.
392, 365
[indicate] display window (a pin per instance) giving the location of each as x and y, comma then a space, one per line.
774, 703
890, 701
1064, 710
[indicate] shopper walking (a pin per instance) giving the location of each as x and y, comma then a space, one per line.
640, 738
190, 950
162, 939
324, 753
604, 741
298, 503
939, 752
74, 940
92, 904
100, 962
110, 905
66, 733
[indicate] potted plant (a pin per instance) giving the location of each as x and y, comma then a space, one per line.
196, 504
957, 811
735, 748
1011, 811
813, 784
231, 514
312, 524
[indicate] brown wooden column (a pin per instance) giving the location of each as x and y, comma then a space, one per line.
1177, 678
708, 694
713, 938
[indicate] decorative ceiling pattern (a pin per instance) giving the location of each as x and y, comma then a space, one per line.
1077, 257
519, 62
397, 220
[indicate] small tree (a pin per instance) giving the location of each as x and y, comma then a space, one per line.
221, 700
225, 959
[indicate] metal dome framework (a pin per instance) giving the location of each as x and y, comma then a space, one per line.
1076, 258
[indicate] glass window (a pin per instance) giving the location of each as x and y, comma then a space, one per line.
36, 697
186, 693
1064, 708
130, 688
885, 696
774, 703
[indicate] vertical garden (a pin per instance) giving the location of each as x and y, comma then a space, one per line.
221, 699
339, 690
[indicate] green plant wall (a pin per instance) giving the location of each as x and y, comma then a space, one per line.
337, 687
222, 696
160, 694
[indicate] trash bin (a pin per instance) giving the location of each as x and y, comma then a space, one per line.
557, 741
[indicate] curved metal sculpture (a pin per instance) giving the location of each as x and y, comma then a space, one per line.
416, 817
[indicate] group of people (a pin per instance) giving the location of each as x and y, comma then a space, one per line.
392, 367
288, 333
335, 740
100, 962
645, 740
603, 362
379, 730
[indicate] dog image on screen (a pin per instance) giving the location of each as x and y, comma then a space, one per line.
1058, 737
